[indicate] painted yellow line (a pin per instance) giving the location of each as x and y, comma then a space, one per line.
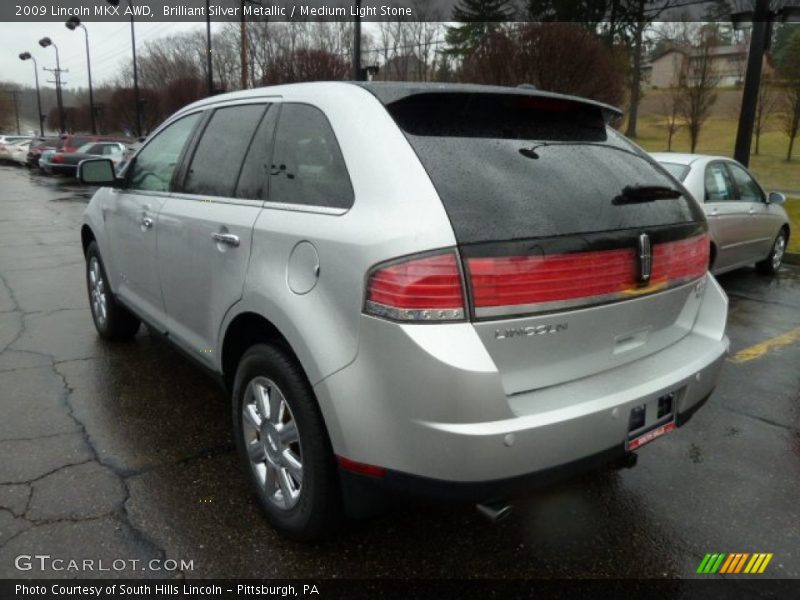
759, 350
765, 563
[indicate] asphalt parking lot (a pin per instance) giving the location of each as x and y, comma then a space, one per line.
124, 451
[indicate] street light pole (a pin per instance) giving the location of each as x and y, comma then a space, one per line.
44, 43
28, 56
71, 24
755, 59
135, 70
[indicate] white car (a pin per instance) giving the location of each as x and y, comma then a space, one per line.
6, 141
747, 225
18, 152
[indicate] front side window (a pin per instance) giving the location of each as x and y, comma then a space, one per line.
719, 186
307, 166
220, 152
745, 184
154, 165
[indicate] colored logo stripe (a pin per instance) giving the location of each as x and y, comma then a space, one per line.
734, 563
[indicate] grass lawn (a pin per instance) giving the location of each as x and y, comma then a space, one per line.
793, 208
718, 136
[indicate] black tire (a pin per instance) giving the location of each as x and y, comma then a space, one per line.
118, 323
318, 509
771, 264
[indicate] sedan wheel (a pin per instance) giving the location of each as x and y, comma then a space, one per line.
771, 264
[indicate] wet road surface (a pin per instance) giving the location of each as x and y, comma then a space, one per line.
123, 451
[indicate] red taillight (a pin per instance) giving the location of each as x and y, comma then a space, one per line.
530, 284
533, 279
675, 262
57, 158
417, 289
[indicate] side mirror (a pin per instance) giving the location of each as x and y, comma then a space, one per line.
776, 198
97, 171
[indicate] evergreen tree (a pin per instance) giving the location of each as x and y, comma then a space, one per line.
478, 19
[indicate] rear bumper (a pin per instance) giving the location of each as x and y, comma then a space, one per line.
61, 169
433, 410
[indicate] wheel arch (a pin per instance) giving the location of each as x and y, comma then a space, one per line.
87, 237
243, 331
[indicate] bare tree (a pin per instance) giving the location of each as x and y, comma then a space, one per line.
6, 108
789, 72
697, 82
670, 110
768, 99
790, 117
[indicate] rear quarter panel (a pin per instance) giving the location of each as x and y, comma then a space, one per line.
396, 212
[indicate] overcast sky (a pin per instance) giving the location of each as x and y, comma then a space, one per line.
109, 43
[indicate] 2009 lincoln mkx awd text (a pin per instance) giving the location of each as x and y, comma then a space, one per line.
443, 290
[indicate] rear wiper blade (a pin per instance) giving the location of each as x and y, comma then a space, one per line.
633, 194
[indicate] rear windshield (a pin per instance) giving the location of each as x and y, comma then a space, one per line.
676, 170
514, 167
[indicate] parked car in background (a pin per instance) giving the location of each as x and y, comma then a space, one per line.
71, 142
39, 145
66, 163
748, 225
18, 152
8, 140
44, 160
130, 150
434, 289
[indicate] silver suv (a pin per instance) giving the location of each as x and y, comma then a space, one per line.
442, 290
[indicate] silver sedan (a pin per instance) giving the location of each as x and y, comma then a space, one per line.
748, 225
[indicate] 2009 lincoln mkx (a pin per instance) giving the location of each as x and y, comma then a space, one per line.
344, 255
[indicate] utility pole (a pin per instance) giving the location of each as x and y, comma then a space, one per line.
755, 58
46, 42
357, 75
210, 73
243, 48
59, 98
15, 94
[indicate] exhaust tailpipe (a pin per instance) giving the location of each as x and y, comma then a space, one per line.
494, 511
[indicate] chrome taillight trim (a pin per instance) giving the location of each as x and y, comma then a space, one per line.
424, 315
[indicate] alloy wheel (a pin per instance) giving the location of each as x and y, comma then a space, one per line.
273, 442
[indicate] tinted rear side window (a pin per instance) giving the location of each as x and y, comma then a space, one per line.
513, 167
220, 152
307, 165
255, 171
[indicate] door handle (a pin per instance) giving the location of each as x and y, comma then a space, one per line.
228, 239
714, 212
147, 222
752, 211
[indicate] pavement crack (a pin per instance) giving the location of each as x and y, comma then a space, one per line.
43, 475
761, 419
36, 437
122, 511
